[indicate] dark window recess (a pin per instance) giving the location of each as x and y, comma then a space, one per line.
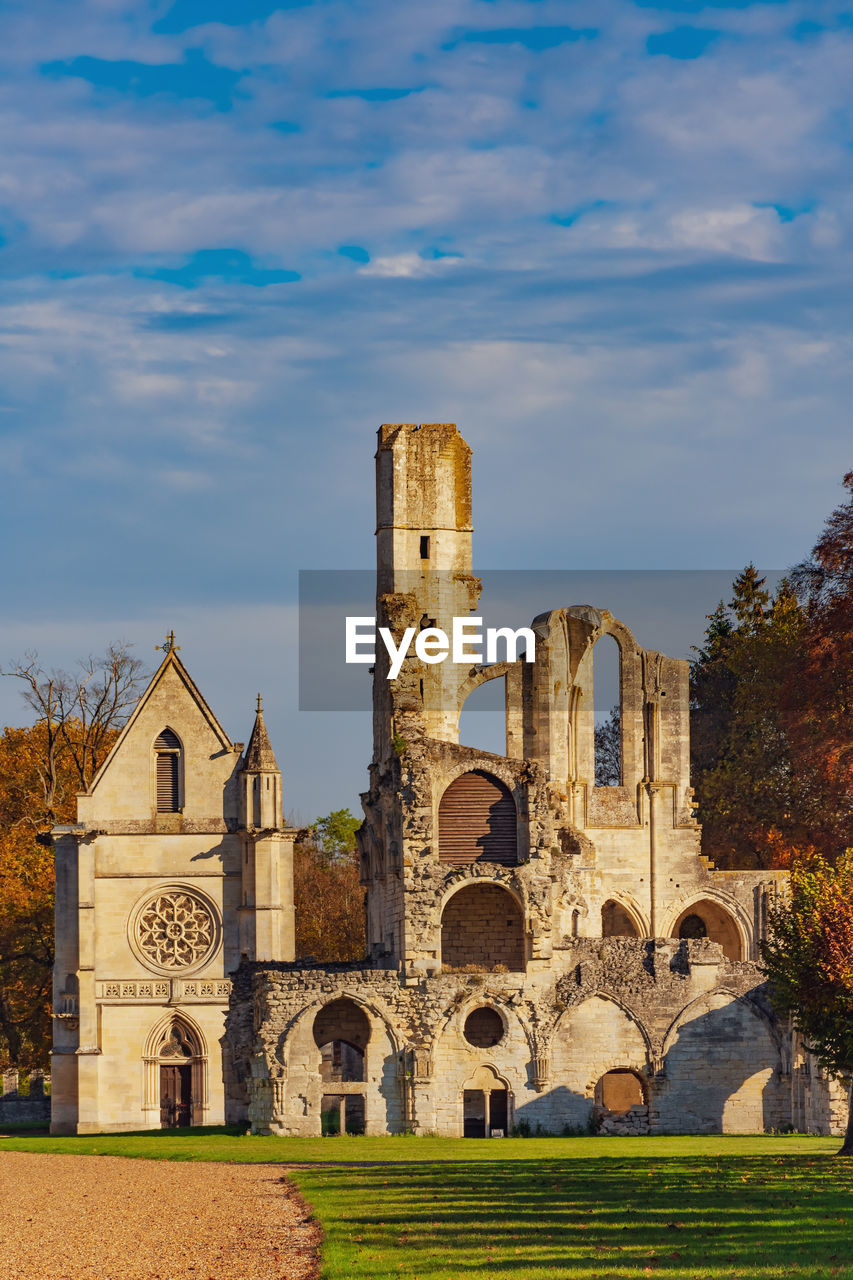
484, 1028
425, 546
477, 821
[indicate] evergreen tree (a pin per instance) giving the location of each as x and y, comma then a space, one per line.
742, 770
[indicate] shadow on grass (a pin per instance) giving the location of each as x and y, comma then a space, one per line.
727, 1216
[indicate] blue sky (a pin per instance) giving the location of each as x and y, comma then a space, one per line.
611, 240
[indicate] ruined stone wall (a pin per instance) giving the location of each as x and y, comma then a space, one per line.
696, 1028
24, 1108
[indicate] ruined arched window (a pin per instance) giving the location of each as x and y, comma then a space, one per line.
617, 922
708, 919
482, 717
167, 748
477, 821
341, 1032
693, 926
607, 710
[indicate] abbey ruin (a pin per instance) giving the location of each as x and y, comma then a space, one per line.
542, 953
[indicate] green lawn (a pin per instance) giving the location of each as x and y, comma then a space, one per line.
524, 1209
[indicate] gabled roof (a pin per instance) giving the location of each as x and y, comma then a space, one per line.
170, 662
259, 753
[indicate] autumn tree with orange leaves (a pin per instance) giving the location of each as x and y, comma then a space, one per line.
42, 767
809, 961
328, 895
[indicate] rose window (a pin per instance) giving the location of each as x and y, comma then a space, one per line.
175, 930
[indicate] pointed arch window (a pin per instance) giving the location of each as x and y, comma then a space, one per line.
167, 748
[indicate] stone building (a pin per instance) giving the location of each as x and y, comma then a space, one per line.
177, 868
542, 952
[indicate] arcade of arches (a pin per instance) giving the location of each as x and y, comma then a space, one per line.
706, 919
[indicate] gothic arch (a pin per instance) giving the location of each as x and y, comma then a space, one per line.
167, 764
723, 1064
307, 1015
632, 910
729, 910
718, 992
480, 676
478, 820
152, 1055
601, 994
608, 1021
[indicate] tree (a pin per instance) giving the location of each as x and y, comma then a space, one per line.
42, 767
819, 701
608, 750
328, 896
29, 805
80, 711
746, 785
334, 835
808, 958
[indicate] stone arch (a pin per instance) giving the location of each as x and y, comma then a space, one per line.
480, 676
382, 1085
722, 1066
622, 918
598, 1035
607, 764
587, 627
179, 1031
341, 1033
477, 820
486, 1103
722, 918
482, 925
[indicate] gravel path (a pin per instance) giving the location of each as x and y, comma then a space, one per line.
76, 1217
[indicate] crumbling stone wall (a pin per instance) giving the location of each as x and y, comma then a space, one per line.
697, 1029
24, 1108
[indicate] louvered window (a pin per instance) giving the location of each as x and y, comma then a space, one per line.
477, 821
168, 750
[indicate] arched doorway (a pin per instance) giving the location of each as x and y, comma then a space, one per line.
486, 1105
482, 927
477, 821
617, 922
175, 1067
341, 1033
707, 919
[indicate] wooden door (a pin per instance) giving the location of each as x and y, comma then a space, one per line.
176, 1103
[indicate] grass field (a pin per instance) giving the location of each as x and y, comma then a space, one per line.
525, 1209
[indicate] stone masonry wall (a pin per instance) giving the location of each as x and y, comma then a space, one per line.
24, 1109
696, 1028
482, 925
